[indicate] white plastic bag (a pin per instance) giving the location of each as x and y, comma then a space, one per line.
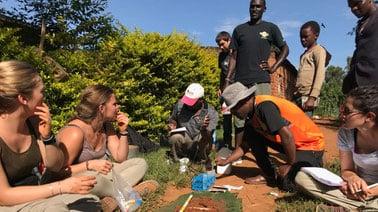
128, 200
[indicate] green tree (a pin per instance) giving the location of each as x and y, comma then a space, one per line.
149, 73
331, 95
70, 24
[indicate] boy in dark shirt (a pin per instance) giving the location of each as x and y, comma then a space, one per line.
223, 41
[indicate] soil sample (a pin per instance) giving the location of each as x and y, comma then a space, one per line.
204, 204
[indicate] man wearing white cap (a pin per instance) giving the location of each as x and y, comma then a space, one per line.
276, 123
199, 119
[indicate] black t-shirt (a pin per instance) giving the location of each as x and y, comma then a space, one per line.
253, 44
270, 123
365, 58
223, 60
270, 117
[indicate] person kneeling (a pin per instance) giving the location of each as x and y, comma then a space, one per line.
197, 119
277, 123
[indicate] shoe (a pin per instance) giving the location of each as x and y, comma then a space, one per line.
330, 208
146, 187
108, 204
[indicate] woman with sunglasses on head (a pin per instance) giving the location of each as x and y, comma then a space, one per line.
358, 145
25, 126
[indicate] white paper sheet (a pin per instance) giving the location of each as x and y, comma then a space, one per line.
323, 175
181, 129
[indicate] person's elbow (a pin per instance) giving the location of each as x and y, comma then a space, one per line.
4, 197
287, 137
55, 159
285, 50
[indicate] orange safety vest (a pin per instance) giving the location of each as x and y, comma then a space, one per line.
307, 135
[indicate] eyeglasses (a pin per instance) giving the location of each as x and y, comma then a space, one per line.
346, 112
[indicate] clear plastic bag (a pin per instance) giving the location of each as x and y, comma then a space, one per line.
127, 198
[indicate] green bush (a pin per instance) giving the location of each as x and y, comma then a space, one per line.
148, 72
331, 96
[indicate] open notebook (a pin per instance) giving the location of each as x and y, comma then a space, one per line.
326, 177
323, 175
181, 129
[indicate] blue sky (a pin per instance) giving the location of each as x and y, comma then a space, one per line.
202, 19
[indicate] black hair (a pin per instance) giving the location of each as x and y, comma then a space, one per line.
264, 2
222, 36
365, 99
314, 26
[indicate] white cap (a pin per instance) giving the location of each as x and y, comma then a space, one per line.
192, 94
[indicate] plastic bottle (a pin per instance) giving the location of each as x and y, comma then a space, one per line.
127, 198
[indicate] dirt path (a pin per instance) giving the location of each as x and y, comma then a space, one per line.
255, 197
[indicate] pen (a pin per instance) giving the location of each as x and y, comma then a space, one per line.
186, 203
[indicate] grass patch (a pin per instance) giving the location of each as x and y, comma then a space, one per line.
300, 202
164, 172
232, 202
296, 202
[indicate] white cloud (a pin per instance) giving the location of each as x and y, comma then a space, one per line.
289, 28
229, 24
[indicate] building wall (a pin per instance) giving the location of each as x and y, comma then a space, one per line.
283, 80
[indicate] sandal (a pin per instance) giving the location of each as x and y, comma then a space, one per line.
261, 180
257, 180
146, 187
108, 204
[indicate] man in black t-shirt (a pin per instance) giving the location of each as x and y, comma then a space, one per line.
364, 64
251, 45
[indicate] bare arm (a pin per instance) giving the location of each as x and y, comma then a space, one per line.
71, 141
21, 194
284, 51
118, 146
288, 144
235, 155
348, 173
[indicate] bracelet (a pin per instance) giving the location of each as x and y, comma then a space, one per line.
228, 79
49, 139
51, 189
124, 133
60, 188
87, 165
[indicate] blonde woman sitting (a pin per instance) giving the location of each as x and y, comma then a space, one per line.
25, 125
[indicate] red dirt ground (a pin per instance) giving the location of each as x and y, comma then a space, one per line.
254, 197
200, 204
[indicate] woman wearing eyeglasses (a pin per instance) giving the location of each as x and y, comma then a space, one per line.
358, 147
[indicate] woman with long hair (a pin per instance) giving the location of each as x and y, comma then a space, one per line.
25, 127
90, 135
358, 152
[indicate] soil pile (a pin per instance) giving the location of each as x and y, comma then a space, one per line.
204, 204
